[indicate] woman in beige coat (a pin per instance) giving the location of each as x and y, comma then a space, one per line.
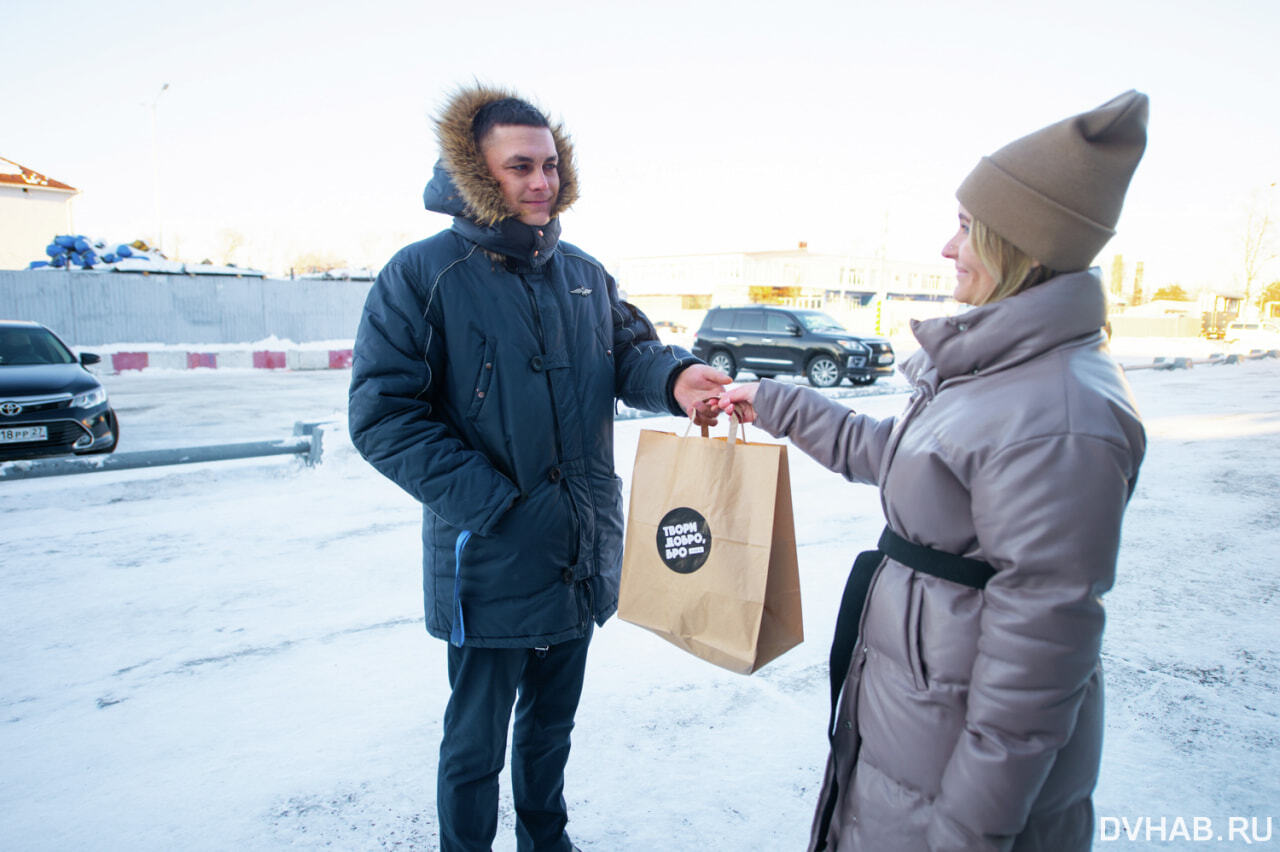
971, 719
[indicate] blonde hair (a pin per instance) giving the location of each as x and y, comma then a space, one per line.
1013, 269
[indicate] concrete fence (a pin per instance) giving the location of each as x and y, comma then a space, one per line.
90, 309
96, 308
1124, 325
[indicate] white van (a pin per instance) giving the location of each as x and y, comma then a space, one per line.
1255, 335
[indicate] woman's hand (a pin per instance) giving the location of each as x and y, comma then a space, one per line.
742, 400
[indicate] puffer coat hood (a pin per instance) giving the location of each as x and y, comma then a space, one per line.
972, 719
462, 184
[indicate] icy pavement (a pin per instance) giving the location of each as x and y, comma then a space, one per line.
232, 657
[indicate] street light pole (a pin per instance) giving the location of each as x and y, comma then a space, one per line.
155, 168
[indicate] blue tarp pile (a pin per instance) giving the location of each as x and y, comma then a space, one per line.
78, 252
69, 250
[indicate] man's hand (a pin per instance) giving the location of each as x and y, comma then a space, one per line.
697, 390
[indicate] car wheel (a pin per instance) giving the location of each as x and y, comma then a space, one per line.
723, 362
862, 380
823, 372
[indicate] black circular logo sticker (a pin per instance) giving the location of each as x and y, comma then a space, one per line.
684, 541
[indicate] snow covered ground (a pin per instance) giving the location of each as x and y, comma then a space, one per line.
231, 656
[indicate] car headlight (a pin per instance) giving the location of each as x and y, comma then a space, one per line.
854, 345
89, 398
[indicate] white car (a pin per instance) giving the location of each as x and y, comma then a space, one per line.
1254, 335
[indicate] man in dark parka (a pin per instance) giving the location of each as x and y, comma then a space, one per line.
487, 365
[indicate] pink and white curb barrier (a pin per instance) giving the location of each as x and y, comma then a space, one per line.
260, 359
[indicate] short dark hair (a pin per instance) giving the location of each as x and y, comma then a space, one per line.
505, 111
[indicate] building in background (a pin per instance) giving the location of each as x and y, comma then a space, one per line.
33, 210
866, 293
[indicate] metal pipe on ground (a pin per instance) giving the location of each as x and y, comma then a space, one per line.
306, 442
1216, 358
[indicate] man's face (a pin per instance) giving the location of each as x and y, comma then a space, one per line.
523, 159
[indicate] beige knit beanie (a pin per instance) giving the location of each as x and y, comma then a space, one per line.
1057, 193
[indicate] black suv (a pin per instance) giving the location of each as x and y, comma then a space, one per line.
49, 403
768, 340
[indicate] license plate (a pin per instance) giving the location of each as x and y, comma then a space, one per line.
886, 358
20, 434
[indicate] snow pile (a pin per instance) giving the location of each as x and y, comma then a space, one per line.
362, 273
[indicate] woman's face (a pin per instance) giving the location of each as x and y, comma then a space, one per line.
974, 282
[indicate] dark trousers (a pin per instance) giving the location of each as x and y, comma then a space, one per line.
545, 686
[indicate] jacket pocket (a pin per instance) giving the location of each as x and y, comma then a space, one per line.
599, 372
915, 633
604, 339
484, 379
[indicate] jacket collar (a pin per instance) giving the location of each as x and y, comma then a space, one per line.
1005, 333
524, 246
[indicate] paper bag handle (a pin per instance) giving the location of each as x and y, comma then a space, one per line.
734, 422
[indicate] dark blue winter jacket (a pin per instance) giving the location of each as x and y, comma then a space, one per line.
486, 368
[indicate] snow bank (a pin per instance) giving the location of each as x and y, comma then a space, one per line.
232, 656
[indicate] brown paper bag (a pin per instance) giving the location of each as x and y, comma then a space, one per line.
710, 556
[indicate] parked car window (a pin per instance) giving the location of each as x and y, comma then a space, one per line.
749, 321
818, 321
778, 323
32, 347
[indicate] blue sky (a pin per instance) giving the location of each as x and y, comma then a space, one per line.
699, 126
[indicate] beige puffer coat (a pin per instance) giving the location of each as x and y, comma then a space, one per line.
972, 720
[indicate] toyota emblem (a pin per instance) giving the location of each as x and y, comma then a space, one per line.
10, 408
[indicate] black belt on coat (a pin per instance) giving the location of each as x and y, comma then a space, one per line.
973, 573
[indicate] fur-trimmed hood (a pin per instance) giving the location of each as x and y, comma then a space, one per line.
462, 184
